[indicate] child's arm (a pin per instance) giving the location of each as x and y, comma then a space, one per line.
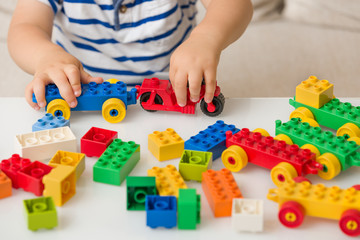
29, 43
198, 56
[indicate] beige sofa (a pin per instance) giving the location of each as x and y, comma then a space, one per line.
282, 46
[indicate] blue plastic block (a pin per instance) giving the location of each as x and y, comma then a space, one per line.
160, 211
49, 122
211, 139
93, 95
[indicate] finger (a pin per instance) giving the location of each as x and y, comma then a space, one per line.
73, 74
86, 77
180, 89
65, 88
39, 90
28, 96
195, 85
210, 81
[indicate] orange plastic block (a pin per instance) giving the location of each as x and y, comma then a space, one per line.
220, 188
314, 92
72, 159
165, 145
168, 180
5, 186
60, 184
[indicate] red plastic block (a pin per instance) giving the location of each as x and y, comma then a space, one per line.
11, 167
30, 177
220, 188
5, 186
266, 152
96, 140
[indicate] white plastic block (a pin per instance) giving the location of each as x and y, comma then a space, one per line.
44, 144
247, 215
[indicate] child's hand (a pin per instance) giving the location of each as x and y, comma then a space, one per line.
62, 69
194, 60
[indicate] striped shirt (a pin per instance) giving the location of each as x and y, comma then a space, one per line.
125, 39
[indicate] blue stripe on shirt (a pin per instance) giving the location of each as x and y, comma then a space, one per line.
108, 6
53, 6
92, 21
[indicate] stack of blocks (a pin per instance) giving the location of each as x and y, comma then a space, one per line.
211, 139
40, 213
165, 145
116, 162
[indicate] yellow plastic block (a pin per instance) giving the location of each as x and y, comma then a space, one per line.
168, 180
165, 145
60, 184
317, 200
76, 160
314, 92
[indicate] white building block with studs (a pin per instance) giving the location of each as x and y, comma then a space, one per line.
247, 215
44, 144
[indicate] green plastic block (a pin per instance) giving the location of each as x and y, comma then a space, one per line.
116, 162
194, 163
333, 114
302, 133
137, 189
189, 206
40, 213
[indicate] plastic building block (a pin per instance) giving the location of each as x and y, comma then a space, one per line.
314, 92
194, 163
12, 166
160, 211
299, 199
96, 140
76, 160
165, 145
40, 213
168, 180
211, 139
246, 146
220, 188
137, 190
5, 186
158, 95
247, 215
49, 122
189, 207
60, 184
116, 162
345, 153
112, 99
30, 177
44, 144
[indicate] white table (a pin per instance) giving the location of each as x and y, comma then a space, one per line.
99, 210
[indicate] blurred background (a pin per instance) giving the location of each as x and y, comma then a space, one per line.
287, 41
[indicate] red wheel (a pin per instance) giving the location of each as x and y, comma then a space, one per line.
301, 179
350, 222
357, 187
291, 214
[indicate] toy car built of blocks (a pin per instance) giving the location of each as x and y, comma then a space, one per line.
110, 98
158, 95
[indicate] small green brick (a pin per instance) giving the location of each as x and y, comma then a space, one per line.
194, 163
137, 189
40, 213
189, 207
333, 114
116, 162
302, 133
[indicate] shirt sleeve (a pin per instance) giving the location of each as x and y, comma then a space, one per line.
54, 4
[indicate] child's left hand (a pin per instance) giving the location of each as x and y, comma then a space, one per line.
194, 60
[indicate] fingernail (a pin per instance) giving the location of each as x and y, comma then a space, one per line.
37, 108
194, 99
77, 93
41, 104
181, 104
73, 104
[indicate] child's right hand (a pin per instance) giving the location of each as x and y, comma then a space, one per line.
62, 69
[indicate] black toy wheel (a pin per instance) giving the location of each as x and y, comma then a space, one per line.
218, 102
146, 96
